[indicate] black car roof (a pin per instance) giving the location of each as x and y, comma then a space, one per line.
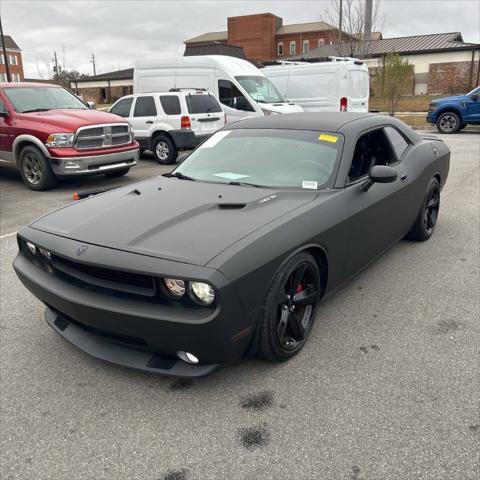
328, 121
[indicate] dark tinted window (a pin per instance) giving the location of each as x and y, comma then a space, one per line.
171, 104
232, 97
373, 148
202, 104
122, 108
398, 142
145, 107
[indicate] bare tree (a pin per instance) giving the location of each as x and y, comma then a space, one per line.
351, 15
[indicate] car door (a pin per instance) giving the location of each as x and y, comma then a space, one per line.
381, 215
235, 105
144, 116
473, 108
6, 134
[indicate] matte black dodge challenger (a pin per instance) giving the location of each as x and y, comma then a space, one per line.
229, 254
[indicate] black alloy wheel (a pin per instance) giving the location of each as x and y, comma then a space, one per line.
35, 169
290, 309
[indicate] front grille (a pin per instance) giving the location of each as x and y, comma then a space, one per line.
130, 282
102, 136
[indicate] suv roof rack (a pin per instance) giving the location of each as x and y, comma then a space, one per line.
188, 88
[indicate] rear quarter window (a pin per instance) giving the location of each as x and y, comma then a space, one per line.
399, 143
171, 104
202, 104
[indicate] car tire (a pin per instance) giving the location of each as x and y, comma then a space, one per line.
426, 220
35, 169
448, 122
289, 309
164, 150
142, 151
117, 173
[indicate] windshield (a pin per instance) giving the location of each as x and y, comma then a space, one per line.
475, 90
37, 99
261, 89
265, 157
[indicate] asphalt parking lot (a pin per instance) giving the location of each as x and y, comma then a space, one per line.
386, 388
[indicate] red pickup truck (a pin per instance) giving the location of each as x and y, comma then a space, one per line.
49, 133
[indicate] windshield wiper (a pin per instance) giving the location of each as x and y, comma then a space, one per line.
37, 110
246, 184
179, 175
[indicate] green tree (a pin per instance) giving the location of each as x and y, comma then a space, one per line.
65, 77
392, 78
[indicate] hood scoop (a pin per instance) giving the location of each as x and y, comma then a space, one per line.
231, 206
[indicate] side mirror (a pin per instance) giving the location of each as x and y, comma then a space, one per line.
91, 105
474, 97
380, 174
183, 156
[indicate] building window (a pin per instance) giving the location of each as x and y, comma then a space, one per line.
306, 46
293, 48
2, 59
13, 59
3, 77
280, 48
321, 41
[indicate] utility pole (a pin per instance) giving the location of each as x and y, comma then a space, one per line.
93, 61
340, 15
55, 68
5, 56
367, 31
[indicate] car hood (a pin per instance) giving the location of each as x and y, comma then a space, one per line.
70, 120
173, 219
282, 107
454, 98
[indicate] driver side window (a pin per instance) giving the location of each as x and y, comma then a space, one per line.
232, 97
372, 148
122, 108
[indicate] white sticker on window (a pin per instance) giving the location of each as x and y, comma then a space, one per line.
230, 175
214, 139
310, 184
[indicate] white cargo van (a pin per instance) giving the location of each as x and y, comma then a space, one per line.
338, 85
243, 90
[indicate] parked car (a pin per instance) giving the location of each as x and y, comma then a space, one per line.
341, 84
233, 250
243, 90
452, 114
48, 133
167, 122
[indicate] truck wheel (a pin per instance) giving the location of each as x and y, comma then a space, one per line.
35, 169
448, 122
164, 150
117, 173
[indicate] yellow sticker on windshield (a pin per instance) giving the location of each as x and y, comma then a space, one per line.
328, 138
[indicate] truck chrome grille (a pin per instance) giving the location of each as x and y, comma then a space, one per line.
103, 136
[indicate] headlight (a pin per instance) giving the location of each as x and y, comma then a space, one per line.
32, 248
60, 140
432, 107
203, 292
45, 253
175, 286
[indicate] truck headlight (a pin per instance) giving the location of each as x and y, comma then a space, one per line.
203, 292
60, 140
432, 107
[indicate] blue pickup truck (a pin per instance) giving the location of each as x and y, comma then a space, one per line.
451, 114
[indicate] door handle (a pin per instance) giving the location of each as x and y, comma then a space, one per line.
403, 176
149, 121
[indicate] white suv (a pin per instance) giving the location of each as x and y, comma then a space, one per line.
167, 122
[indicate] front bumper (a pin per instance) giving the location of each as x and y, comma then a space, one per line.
95, 164
146, 335
431, 117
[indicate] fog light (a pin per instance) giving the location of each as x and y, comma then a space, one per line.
32, 248
188, 357
175, 286
203, 292
72, 164
45, 253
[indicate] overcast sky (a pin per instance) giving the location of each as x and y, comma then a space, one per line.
120, 31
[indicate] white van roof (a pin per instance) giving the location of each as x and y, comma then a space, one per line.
235, 66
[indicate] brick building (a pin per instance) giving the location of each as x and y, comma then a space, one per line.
442, 63
14, 59
105, 87
263, 36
